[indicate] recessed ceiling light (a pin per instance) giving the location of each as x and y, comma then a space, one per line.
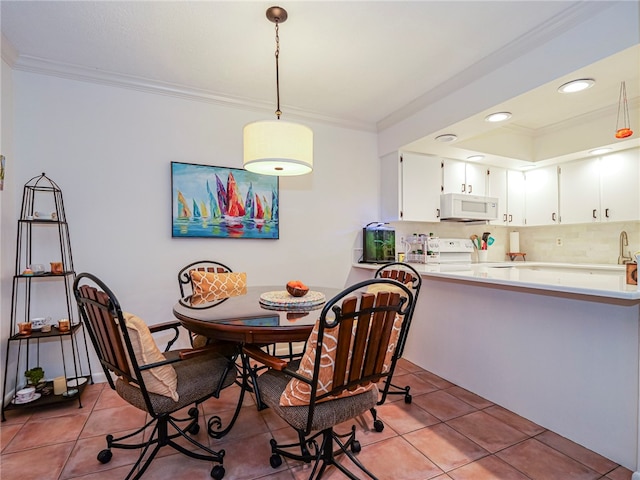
498, 117
475, 158
600, 151
446, 138
576, 85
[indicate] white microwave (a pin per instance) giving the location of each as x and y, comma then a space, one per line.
467, 208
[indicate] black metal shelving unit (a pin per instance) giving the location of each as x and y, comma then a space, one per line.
42, 192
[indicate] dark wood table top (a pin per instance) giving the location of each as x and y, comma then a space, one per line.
244, 319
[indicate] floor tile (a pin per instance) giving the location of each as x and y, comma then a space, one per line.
109, 398
408, 366
469, 397
48, 431
516, 421
541, 462
439, 382
7, 432
416, 385
487, 431
84, 457
43, 463
113, 420
443, 405
619, 473
445, 447
404, 417
487, 468
591, 459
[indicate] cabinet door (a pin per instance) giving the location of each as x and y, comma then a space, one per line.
541, 196
620, 174
515, 198
421, 188
497, 187
454, 176
476, 178
580, 191
464, 177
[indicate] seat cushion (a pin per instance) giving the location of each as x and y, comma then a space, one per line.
160, 380
210, 286
197, 378
272, 383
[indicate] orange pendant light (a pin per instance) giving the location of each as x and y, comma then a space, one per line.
623, 114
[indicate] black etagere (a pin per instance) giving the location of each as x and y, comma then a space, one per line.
43, 222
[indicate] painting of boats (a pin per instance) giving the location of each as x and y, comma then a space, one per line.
220, 202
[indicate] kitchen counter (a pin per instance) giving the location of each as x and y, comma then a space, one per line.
607, 283
555, 343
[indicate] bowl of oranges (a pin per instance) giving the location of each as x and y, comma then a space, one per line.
297, 289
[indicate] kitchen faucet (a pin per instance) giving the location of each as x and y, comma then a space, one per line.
624, 241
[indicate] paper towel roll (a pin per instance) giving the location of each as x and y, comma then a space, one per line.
514, 242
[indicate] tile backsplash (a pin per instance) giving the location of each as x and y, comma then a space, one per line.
582, 243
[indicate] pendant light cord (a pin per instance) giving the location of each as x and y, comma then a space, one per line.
622, 103
278, 112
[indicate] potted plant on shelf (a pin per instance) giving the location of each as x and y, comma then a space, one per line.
34, 375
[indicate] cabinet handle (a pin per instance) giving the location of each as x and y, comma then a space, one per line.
553, 216
463, 188
437, 213
504, 217
606, 212
470, 188
593, 213
510, 218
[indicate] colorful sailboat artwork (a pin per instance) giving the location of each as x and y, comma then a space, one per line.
222, 202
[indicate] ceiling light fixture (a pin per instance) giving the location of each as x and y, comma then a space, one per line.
446, 138
623, 114
498, 117
576, 85
274, 147
475, 158
600, 151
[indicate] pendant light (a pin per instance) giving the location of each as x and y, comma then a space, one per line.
623, 114
275, 147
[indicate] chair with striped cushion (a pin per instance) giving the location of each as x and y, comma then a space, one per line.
357, 335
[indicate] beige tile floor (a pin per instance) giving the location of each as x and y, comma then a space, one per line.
445, 433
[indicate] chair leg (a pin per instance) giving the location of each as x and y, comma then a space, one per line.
161, 437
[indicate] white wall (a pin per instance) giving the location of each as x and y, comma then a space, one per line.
109, 149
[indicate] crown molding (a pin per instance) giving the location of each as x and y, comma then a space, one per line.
68, 71
554, 27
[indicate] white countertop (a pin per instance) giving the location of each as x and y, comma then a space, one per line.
593, 280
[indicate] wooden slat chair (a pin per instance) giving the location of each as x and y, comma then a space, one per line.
408, 276
355, 335
175, 379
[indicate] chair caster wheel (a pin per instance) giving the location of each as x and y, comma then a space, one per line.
105, 456
275, 460
193, 412
194, 429
407, 398
378, 425
356, 447
217, 472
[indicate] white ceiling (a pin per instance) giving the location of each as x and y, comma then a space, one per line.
362, 64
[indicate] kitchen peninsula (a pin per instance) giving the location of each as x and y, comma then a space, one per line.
555, 343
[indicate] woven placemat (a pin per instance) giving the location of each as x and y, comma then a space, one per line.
283, 299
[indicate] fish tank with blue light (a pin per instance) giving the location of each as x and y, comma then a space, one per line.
378, 243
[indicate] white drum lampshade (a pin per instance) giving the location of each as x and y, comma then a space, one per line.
274, 147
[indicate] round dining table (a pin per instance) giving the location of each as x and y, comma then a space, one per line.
262, 316
251, 319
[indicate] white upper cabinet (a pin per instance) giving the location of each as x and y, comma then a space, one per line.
410, 187
508, 187
464, 177
602, 189
541, 196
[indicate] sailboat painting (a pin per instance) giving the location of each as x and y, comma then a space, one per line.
220, 202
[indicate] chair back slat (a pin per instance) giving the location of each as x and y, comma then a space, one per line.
365, 324
104, 330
